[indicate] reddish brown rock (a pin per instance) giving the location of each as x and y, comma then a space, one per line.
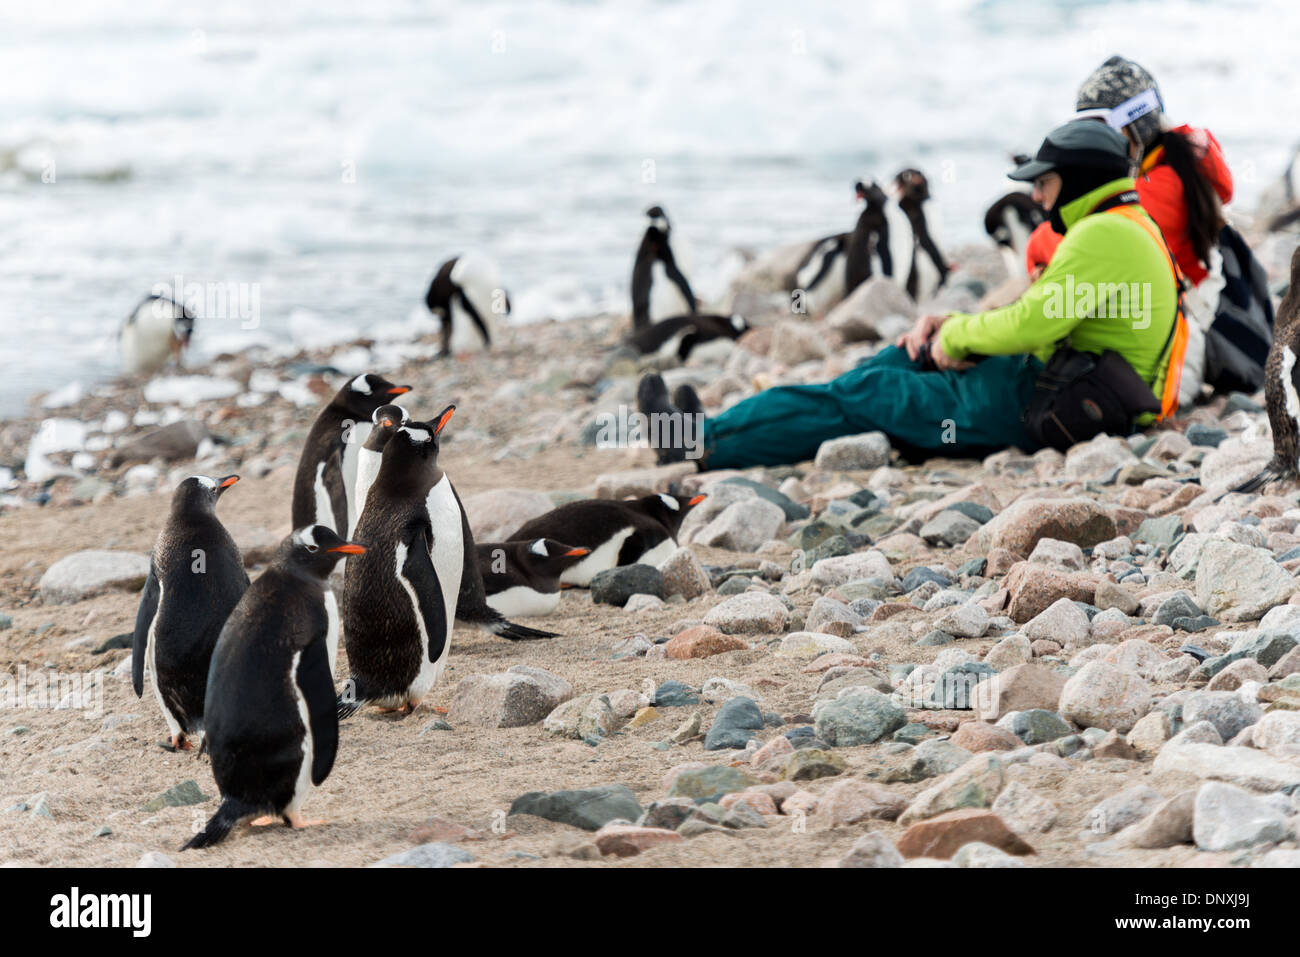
1021, 525
1127, 520
1114, 746
1034, 588
835, 659
757, 801
626, 840
852, 801
1001, 561
1043, 648
1019, 688
889, 610
703, 641
943, 835
976, 736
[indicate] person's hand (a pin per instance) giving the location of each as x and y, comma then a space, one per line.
944, 362
921, 332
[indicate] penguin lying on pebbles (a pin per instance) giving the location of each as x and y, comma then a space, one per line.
157, 330
616, 533
323, 489
272, 726
1282, 391
196, 576
472, 606
523, 577
707, 336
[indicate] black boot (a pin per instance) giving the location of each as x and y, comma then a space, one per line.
652, 399
686, 399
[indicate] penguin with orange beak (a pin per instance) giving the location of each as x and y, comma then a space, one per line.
196, 576
272, 725
522, 578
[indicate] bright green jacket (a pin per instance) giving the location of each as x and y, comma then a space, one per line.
1109, 286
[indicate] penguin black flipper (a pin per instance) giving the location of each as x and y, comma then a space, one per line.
317, 687
675, 274
420, 574
472, 606
143, 620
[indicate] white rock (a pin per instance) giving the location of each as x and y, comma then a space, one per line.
1100, 695
1229, 819
83, 574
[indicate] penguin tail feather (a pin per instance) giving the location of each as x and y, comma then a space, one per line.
508, 629
1273, 472
230, 813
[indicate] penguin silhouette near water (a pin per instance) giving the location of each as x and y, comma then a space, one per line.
659, 289
1282, 392
522, 578
472, 605
157, 331
196, 576
920, 264
642, 530
324, 486
272, 723
835, 266
399, 599
466, 297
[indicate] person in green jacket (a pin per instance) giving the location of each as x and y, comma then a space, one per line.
957, 385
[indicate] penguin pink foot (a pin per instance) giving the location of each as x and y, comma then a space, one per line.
263, 821
297, 822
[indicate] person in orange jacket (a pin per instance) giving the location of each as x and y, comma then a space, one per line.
1182, 182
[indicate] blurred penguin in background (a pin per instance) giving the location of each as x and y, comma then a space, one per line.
466, 296
156, 332
659, 289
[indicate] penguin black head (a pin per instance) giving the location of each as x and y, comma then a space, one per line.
913, 185
413, 450
199, 493
365, 393
315, 550
670, 509
546, 554
387, 420
658, 219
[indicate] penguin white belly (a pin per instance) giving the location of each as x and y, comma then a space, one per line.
665, 298
332, 628
659, 554
465, 333
520, 601
448, 561
302, 784
606, 556
324, 507
901, 242
151, 656
1288, 386
927, 276
368, 463
352, 450
669, 349
146, 341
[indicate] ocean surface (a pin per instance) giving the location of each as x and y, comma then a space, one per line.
320, 159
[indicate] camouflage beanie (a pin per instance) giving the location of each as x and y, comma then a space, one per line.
1115, 82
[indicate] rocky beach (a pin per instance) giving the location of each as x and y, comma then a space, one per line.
1085, 660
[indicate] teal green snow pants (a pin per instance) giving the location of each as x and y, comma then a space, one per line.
924, 413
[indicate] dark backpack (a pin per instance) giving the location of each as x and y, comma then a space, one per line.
1236, 347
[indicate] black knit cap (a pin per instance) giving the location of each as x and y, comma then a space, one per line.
1079, 144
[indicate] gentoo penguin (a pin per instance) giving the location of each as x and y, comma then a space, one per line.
196, 576
399, 599
157, 330
682, 336
642, 530
1009, 221
472, 607
466, 295
922, 275
654, 267
385, 421
272, 727
820, 275
1282, 390
869, 240
523, 578
324, 488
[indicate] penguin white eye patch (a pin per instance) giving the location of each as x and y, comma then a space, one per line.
419, 435
539, 548
359, 384
206, 482
305, 536
669, 501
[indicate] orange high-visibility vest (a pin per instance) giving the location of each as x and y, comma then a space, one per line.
1180, 333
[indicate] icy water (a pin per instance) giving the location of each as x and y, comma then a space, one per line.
324, 157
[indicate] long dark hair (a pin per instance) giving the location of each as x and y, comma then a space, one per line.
1204, 214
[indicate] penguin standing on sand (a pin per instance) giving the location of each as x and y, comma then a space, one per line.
385, 421
272, 726
465, 295
654, 268
642, 530
523, 578
324, 487
472, 606
1282, 391
157, 330
706, 336
196, 577
399, 599
925, 274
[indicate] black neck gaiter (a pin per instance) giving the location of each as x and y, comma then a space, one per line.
1078, 181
